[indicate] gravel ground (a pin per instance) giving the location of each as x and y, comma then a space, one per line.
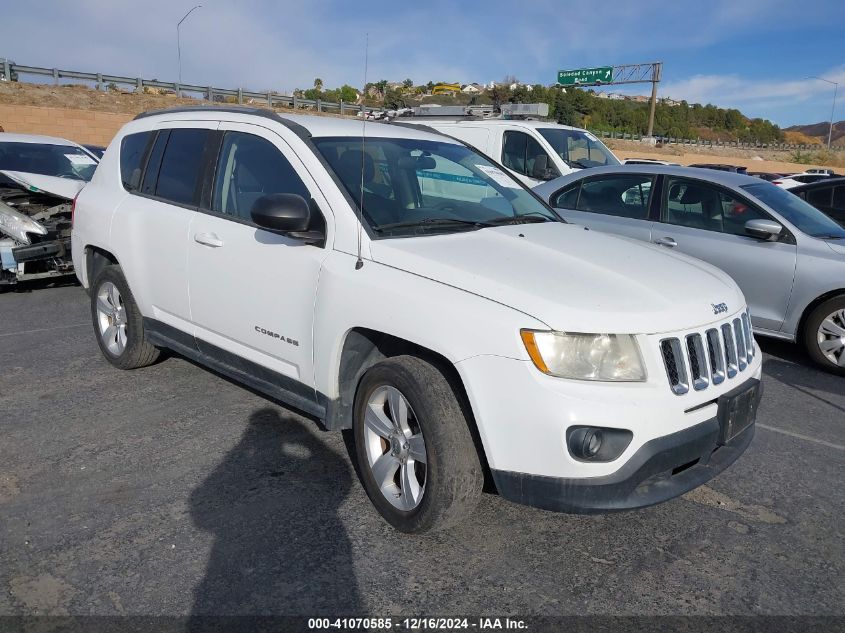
171, 491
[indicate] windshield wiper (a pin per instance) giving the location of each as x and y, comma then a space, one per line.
430, 222
577, 163
830, 236
520, 219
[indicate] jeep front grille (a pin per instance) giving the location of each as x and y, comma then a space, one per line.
699, 360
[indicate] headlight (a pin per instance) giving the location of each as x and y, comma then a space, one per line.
610, 357
16, 225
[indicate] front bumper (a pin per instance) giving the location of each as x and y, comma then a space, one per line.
661, 469
39, 260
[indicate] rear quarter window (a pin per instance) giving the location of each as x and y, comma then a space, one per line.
133, 147
567, 198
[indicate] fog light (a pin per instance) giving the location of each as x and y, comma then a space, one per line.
591, 443
597, 444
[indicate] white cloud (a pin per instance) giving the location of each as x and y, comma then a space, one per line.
760, 97
267, 44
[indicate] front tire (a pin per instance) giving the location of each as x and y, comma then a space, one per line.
118, 323
415, 453
824, 335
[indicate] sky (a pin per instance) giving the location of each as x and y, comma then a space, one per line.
748, 54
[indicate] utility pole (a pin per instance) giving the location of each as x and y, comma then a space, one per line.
655, 77
179, 47
832, 108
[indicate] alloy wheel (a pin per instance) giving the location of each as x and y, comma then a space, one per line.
831, 338
111, 318
395, 447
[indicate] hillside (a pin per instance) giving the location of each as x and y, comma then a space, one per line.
91, 116
820, 130
586, 108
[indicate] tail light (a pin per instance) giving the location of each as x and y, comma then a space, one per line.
777, 182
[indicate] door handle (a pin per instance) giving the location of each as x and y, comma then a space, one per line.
666, 241
208, 239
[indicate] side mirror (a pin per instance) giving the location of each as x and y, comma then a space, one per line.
282, 212
763, 229
540, 170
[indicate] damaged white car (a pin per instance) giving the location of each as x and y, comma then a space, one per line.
39, 178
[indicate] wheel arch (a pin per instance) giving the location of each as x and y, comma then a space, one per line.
97, 258
808, 310
362, 349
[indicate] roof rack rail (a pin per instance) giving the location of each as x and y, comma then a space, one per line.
265, 112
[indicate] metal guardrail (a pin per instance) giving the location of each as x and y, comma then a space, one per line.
210, 93
10, 70
669, 140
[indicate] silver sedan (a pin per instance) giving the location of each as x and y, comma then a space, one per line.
787, 256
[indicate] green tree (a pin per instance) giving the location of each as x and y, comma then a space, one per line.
318, 84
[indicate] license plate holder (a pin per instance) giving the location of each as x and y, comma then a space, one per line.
737, 411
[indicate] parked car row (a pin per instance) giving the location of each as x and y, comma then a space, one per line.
406, 287
826, 195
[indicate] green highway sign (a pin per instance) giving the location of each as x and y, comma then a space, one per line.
602, 75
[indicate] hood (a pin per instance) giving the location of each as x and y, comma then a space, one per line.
570, 278
39, 183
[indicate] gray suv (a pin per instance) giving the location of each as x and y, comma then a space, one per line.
787, 256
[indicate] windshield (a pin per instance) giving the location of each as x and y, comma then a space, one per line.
413, 186
804, 216
64, 161
578, 148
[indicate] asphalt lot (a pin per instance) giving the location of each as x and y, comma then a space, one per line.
170, 490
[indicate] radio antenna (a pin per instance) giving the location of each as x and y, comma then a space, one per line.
359, 263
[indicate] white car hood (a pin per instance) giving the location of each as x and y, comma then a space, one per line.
39, 183
570, 278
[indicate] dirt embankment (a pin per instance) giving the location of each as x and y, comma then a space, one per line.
86, 115
755, 160
80, 113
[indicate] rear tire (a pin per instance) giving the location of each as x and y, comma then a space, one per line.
419, 466
824, 335
118, 324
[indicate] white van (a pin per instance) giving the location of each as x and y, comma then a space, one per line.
533, 151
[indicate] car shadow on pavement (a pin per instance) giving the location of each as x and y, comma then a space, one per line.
279, 544
789, 364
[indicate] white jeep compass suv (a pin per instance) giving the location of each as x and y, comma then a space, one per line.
401, 285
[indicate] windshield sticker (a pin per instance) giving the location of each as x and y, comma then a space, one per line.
80, 159
498, 175
437, 175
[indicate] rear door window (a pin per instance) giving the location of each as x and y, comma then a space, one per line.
626, 196
132, 150
181, 166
